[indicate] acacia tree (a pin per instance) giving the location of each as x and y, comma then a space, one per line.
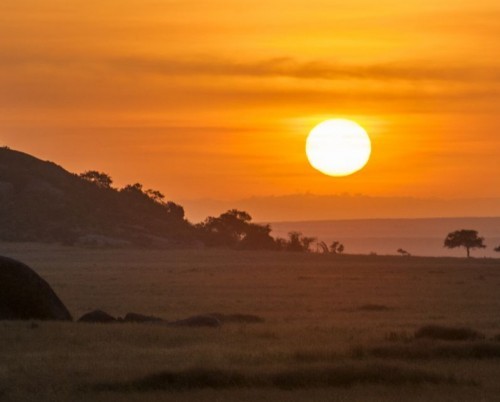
468, 239
403, 252
497, 249
234, 229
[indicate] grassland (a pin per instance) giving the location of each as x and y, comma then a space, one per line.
337, 328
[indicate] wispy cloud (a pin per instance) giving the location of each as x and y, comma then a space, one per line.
315, 69
282, 66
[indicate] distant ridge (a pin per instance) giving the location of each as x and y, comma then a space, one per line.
419, 236
302, 207
40, 201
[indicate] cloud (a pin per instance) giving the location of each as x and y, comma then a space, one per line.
45, 80
315, 69
286, 67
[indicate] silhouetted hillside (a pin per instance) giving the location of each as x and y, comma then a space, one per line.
40, 201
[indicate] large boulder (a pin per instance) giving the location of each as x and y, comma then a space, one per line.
141, 318
97, 316
24, 295
205, 320
237, 318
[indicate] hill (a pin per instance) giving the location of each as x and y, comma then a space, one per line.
41, 201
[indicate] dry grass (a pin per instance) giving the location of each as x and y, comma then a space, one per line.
374, 307
346, 375
310, 327
431, 350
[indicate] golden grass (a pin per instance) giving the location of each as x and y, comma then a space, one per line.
316, 318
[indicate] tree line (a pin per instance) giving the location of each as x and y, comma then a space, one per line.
234, 229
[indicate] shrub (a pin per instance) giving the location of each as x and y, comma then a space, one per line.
444, 333
429, 351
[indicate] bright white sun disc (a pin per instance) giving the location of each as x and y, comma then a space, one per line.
338, 147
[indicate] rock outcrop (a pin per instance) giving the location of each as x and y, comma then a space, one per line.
141, 318
205, 320
24, 295
97, 316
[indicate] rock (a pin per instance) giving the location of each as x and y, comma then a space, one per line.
24, 295
134, 317
97, 316
205, 320
237, 318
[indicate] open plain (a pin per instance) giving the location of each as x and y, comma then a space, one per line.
336, 328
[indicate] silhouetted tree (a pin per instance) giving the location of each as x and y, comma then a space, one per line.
133, 189
281, 243
156, 196
322, 247
234, 229
100, 179
176, 211
403, 252
468, 239
294, 241
336, 247
306, 242
299, 243
258, 237
497, 249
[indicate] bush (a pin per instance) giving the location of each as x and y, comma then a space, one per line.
430, 351
443, 333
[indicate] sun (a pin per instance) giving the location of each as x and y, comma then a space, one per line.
338, 147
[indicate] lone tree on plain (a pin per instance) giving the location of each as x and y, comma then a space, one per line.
403, 252
497, 249
468, 239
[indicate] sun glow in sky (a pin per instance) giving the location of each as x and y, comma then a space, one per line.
215, 99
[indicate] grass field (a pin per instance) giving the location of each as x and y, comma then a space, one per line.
337, 328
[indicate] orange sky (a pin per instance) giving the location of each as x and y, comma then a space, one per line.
214, 99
